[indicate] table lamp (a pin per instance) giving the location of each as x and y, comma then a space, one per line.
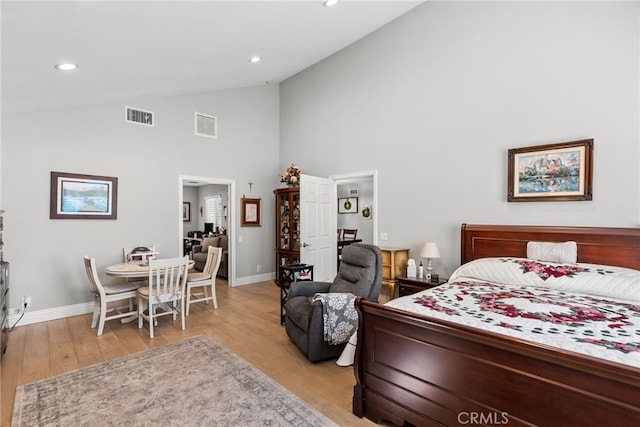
429, 251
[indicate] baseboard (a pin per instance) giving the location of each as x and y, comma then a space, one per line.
87, 307
49, 313
249, 280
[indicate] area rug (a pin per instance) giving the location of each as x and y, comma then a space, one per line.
194, 382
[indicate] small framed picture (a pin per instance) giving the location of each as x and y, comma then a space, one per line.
250, 212
186, 211
348, 205
366, 212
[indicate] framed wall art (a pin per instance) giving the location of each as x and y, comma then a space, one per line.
250, 212
366, 212
552, 172
347, 205
78, 196
186, 211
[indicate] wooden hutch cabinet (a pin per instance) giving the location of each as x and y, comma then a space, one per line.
287, 226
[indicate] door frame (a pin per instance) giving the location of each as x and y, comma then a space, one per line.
231, 221
373, 174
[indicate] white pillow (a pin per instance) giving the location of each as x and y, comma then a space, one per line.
566, 252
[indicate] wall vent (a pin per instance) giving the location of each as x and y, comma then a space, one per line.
138, 116
206, 125
353, 192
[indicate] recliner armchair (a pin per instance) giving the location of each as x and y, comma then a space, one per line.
360, 273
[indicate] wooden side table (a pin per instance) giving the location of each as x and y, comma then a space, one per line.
394, 264
411, 285
288, 274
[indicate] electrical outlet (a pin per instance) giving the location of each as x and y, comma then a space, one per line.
26, 301
259, 268
383, 236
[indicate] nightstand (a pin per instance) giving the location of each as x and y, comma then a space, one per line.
411, 285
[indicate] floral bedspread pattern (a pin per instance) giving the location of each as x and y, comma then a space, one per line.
575, 307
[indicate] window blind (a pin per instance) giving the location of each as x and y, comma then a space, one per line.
213, 210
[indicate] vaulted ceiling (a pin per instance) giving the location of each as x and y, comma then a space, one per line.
139, 49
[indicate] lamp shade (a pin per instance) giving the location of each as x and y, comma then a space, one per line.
430, 250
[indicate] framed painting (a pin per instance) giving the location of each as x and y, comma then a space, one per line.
77, 196
553, 172
347, 205
186, 211
250, 212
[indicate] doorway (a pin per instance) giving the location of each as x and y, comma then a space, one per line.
361, 190
192, 191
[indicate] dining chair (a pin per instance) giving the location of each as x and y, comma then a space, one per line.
105, 295
129, 254
349, 233
339, 233
206, 279
167, 280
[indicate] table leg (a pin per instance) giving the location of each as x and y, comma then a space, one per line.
283, 302
129, 319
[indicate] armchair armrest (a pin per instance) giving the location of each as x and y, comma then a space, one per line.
307, 288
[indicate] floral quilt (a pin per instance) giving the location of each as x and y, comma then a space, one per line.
586, 308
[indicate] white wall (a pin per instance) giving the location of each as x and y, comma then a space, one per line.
435, 99
46, 255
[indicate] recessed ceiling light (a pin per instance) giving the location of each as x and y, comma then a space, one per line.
329, 3
66, 66
255, 59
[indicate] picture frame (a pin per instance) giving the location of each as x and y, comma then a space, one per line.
552, 172
80, 196
186, 211
347, 205
250, 211
366, 212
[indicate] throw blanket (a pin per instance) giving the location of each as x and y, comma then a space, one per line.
339, 316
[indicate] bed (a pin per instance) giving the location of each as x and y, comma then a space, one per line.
416, 369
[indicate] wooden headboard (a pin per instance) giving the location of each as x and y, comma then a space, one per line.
596, 245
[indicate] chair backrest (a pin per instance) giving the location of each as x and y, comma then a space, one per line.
167, 278
214, 257
143, 252
92, 274
360, 271
349, 233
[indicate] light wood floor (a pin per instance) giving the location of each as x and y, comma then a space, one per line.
246, 322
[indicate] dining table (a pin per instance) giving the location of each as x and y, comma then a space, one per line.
133, 270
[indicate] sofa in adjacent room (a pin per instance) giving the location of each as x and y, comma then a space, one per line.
199, 253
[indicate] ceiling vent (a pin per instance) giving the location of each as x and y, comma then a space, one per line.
138, 116
206, 125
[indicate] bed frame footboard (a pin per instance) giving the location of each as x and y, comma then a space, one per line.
417, 370
414, 370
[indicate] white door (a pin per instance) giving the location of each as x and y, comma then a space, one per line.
318, 226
